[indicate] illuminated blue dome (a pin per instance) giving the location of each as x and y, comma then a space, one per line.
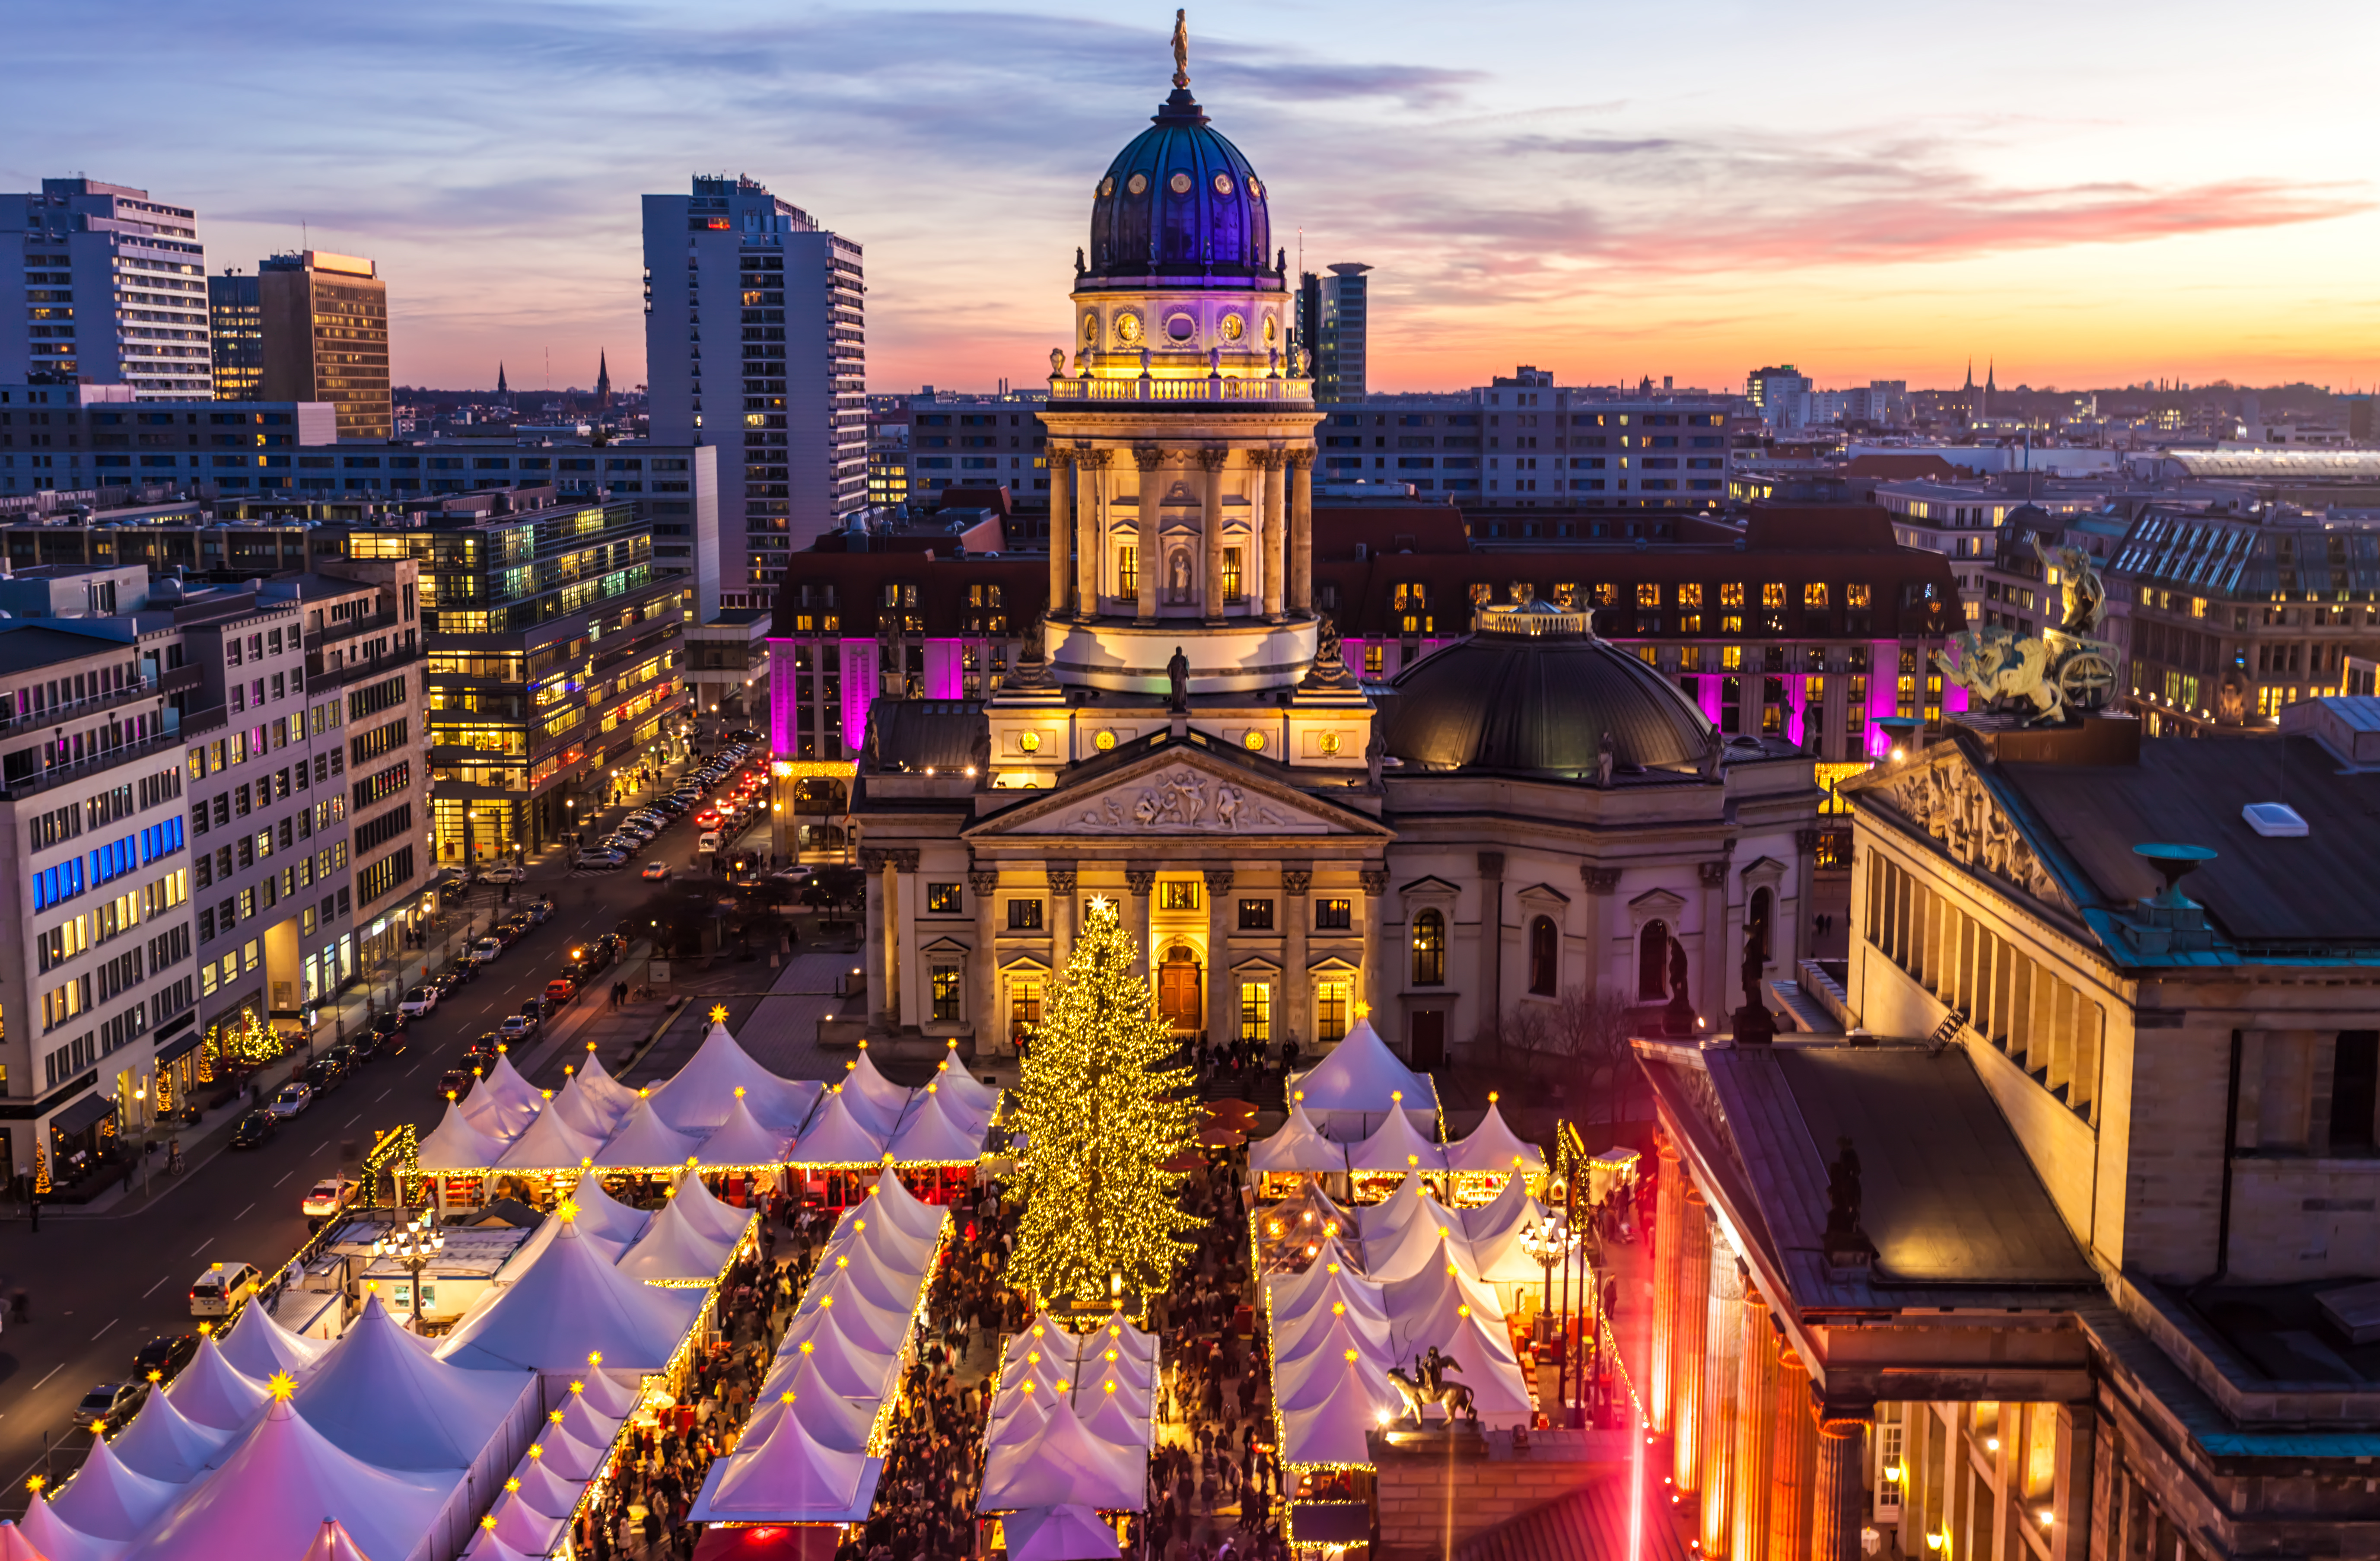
1180, 203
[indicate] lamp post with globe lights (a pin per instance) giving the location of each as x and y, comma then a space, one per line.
1549, 1241
413, 1249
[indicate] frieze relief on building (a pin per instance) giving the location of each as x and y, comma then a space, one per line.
1948, 801
1185, 800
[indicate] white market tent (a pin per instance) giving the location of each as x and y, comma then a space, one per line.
1412, 1200
379, 1398
53, 1538
1064, 1462
1348, 1092
840, 1134
1463, 1323
164, 1443
984, 1096
700, 1095
601, 1089
1414, 1248
108, 1501
879, 1100
838, 1416
1345, 1398
211, 1391
457, 1143
1512, 1209
577, 1105
644, 1142
1298, 1146
787, 1476
939, 1129
333, 1544
601, 1215
1493, 1146
1067, 1532
257, 1346
673, 1249
706, 1214
1396, 1145
742, 1140
547, 1140
571, 1302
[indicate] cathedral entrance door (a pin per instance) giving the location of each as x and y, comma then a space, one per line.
1428, 1041
1180, 990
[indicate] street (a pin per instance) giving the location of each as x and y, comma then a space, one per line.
102, 1284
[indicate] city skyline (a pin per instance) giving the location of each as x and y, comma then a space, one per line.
1593, 193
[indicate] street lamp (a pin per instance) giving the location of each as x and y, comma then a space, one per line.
1548, 1243
413, 1249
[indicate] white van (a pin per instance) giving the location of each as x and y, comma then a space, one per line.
216, 1291
709, 841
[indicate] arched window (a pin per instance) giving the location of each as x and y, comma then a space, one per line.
1762, 917
1545, 956
1429, 948
1653, 962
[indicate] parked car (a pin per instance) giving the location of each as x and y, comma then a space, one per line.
483, 1051
365, 1046
388, 1026
709, 841
112, 1402
293, 1099
505, 872
217, 1290
327, 1198
323, 1076
560, 990
346, 1055
165, 1355
538, 910
455, 1082
488, 950
451, 980
599, 859
517, 1027
655, 871
255, 1130
418, 1001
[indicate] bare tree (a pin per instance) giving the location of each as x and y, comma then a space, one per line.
1591, 1026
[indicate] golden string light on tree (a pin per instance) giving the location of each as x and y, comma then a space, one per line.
1100, 1116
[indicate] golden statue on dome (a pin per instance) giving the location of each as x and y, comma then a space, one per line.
1181, 48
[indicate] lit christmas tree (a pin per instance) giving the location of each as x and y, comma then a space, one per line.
1100, 1116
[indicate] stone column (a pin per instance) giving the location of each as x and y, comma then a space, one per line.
1686, 1424
1301, 529
1222, 1007
1805, 876
1602, 887
1840, 1497
1152, 544
879, 917
1139, 879
1090, 531
1668, 1206
1374, 986
908, 971
1064, 908
1723, 1374
1718, 958
1297, 1002
1756, 1430
1491, 947
1270, 466
984, 1012
1061, 524
2070, 1505
1792, 1462
1210, 525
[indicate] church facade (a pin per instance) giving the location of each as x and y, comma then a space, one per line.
1527, 817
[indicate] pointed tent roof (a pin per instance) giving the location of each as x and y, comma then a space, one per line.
1292, 1293
741, 1140
1415, 1248
56, 1540
1511, 1208
1302, 1380
1351, 1396
968, 1088
566, 1455
15, 1547
378, 1397
834, 1417
1066, 1532
333, 1544
544, 1490
903, 1207
607, 1393
698, 1097
785, 1475
258, 1345
1463, 1326
644, 1142
1411, 1200
211, 1391
601, 1088
548, 1143
1493, 1146
1298, 1146
1361, 1315
817, 1342
872, 1312
1396, 1145
884, 1100
942, 1130
1499, 1258
581, 1110
487, 1111
672, 1247
838, 1134
1291, 1308
525, 1256
583, 1421
521, 1526
721, 1222
960, 1106
570, 1302
1120, 1418
518, 1098
458, 1144
164, 1443
1360, 1075
1136, 1343
486, 1546
599, 1213
272, 1495
108, 1501
883, 1243
1065, 1463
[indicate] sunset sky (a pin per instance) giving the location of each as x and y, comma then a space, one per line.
2089, 195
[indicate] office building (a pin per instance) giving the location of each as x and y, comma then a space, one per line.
557, 654
103, 285
1332, 314
325, 321
1780, 394
784, 396
235, 335
77, 441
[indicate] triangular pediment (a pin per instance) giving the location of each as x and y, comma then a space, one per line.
1177, 790
1943, 795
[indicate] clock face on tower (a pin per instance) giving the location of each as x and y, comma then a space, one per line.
1090, 330
1128, 327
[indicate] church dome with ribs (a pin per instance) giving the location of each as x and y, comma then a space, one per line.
1182, 203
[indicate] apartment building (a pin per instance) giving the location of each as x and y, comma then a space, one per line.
785, 395
98, 983
235, 335
1334, 326
83, 438
325, 331
103, 285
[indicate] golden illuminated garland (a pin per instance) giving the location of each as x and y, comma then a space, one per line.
1100, 1116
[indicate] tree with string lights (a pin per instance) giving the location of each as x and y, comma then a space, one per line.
1100, 1114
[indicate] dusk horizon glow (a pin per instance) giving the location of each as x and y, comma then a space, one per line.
1607, 194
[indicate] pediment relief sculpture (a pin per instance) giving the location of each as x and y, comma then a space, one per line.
1182, 800
1948, 801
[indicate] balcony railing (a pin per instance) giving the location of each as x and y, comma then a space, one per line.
1203, 388
18, 787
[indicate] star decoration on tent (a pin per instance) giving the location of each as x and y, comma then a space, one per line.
281, 1385
719, 1013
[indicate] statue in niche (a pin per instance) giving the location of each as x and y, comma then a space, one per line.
1606, 754
1177, 679
1845, 1243
1177, 576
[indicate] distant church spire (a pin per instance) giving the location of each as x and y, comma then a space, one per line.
501, 389
1971, 375
603, 381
